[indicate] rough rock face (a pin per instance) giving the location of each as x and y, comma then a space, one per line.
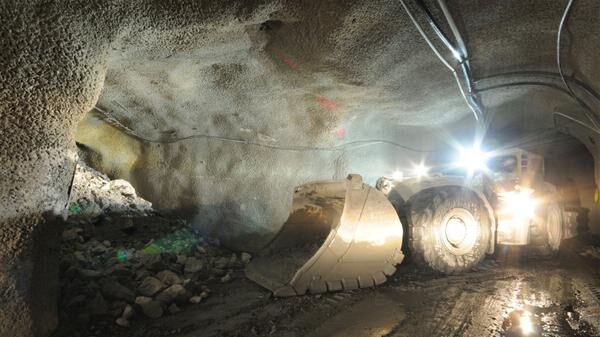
49, 77
283, 73
316, 74
94, 194
120, 261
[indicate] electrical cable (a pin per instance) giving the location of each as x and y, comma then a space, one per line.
438, 30
455, 31
504, 85
427, 40
471, 102
353, 144
582, 85
590, 114
523, 83
463, 57
577, 121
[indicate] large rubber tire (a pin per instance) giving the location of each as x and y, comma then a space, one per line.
428, 224
546, 233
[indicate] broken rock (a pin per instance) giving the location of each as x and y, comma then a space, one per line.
175, 293
168, 277
72, 234
149, 307
246, 258
122, 322
89, 273
221, 263
123, 186
115, 290
173, 309
226, 278
193, 265
150, 286
181, 259
195, 299
152, 261
97, 306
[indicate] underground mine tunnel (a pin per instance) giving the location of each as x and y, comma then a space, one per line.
299, 168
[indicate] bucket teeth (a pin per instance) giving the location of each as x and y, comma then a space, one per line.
341, 235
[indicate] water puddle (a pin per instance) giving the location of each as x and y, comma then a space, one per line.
372, 317
550, 321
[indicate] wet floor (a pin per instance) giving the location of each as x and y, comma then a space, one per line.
555, 297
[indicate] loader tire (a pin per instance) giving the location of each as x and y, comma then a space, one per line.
449, 229
546, 234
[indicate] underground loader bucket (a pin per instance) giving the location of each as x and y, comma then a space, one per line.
341, 234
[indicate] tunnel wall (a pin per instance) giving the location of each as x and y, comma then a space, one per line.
313, 73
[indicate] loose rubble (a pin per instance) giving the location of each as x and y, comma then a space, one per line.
122, 262
591, 251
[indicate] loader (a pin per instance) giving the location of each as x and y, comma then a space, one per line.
344, 234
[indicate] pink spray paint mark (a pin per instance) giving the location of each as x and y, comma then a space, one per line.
340, 132
326, 103
287, 61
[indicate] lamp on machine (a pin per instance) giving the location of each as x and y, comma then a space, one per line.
517, 210
520, 203
398, 175
473, 159
420, 170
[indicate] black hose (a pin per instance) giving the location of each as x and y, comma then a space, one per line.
438, 31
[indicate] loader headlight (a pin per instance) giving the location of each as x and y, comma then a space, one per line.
420, 170
518, 204
398, 175
473, 159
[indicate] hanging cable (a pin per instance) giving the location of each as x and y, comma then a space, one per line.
438, 31
544, 74
590, 114
577, 121
471, 100
557, 87
353, 144
463, 59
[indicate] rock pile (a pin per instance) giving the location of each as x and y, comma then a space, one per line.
121, 263
94, 194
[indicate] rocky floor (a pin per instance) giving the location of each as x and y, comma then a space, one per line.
135, 273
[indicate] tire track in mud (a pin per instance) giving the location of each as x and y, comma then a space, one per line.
463, 306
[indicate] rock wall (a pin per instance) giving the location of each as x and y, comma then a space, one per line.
49, 77
282, 73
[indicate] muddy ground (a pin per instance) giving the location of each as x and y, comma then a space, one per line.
562, 295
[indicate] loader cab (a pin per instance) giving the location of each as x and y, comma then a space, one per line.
517, 166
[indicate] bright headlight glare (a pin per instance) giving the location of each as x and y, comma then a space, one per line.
420, 170
520, 204
473, 159
398, 175
525, 323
